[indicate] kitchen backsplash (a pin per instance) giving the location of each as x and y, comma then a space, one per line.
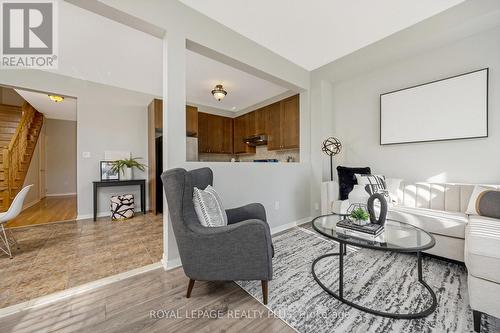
261, 153
202, 157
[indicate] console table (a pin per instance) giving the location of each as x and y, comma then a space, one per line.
108, 183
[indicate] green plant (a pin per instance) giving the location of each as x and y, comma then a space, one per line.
360, 214
131, 162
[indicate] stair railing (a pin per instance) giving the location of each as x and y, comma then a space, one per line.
13, 155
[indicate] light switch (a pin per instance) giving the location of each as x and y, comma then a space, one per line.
86, 154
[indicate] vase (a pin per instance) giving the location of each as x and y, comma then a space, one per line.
126, 174
383, 209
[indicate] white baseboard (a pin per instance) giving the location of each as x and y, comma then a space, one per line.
287, 226
64, 294
60, 194
171, 264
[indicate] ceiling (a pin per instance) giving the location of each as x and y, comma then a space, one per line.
243, 89
95, 48
65, 110
314, 33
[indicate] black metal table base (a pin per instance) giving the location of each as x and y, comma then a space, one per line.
340, 295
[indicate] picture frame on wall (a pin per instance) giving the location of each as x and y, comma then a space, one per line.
107, 172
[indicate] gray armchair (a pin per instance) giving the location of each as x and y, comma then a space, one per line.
242, 250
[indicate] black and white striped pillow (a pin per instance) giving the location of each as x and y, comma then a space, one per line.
208, 207
374, 184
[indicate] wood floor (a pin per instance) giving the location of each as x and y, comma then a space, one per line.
137, 303
49, 209
57, 256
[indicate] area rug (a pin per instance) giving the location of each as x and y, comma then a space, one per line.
380, 280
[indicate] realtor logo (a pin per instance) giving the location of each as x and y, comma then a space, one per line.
28, 34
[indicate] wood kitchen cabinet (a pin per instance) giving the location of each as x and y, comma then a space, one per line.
203, 134
227, 135
290, 136
284, 128
274, 124
215, 134
261, 121
191, 121
243, 128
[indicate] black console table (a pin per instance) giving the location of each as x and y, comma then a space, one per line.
107, 183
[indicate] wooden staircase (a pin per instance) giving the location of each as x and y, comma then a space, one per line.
19, 131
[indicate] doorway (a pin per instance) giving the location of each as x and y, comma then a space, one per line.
50, 165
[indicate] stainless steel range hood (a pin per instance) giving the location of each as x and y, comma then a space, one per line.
256, 140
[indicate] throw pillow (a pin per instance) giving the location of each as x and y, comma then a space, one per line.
347, 180
393, 186
208, 207
358, 196
488, 204
374, 184
472, 206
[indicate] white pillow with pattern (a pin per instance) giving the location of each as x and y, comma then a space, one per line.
374, 184
208, 207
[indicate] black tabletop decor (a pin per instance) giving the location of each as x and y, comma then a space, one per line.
331, 147
383, 208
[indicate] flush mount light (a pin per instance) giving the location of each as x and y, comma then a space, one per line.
56, 98
219, 92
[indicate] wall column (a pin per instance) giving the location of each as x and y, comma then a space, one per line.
174, 125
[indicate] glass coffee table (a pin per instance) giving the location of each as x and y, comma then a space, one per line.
397, 237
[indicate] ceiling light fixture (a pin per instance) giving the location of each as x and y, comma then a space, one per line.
56, 98
219, 92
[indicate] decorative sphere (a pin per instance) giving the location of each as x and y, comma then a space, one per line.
331, 146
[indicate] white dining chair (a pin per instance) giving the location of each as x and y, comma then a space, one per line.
15, 208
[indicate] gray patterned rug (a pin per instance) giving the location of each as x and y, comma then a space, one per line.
381, 280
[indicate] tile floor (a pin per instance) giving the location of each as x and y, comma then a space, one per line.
62, 255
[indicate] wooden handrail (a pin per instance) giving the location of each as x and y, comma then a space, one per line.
28, 112
13, 155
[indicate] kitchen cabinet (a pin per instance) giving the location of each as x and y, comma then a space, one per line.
284, 128
191, 121
274, 124
203, 134
215, 134
261, 121
290, 136
227, 135
243, 126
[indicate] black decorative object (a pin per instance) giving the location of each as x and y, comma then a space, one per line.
383, 208
331, 147
347, 179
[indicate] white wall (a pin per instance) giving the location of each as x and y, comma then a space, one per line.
108, 118
60, 140
355, 110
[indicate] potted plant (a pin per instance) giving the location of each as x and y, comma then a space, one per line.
124, 167
360, 216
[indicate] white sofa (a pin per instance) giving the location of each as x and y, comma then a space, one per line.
440, 210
